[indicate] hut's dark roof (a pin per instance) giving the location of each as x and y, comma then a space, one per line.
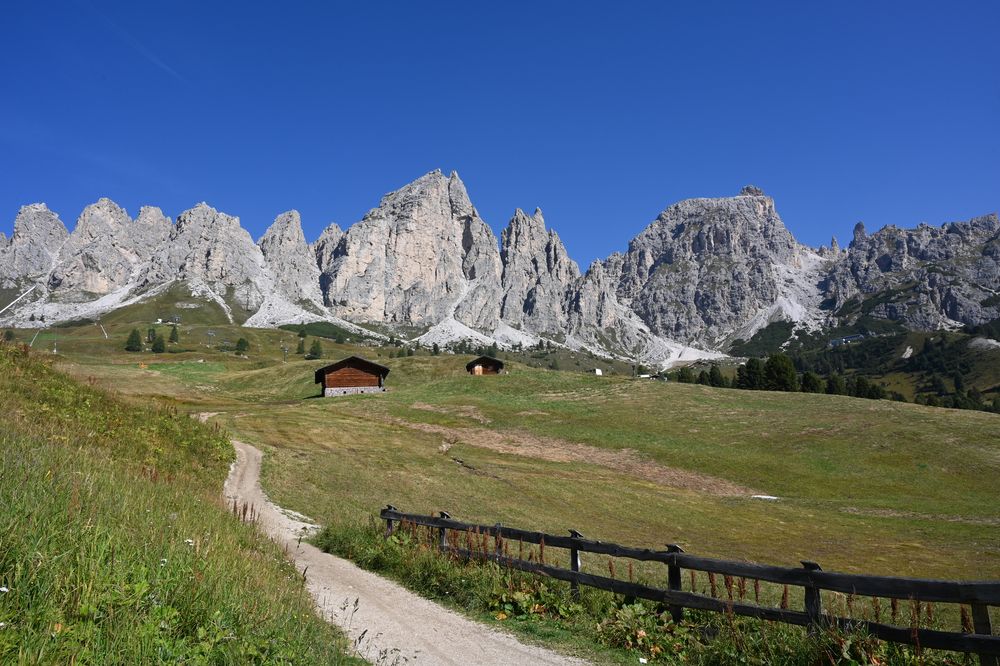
484, 360
352, 362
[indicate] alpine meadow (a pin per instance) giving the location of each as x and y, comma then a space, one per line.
670, 420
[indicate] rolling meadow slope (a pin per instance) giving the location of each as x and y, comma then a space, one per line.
863, 485
115, 546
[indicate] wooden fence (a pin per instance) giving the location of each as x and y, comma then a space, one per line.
977, 638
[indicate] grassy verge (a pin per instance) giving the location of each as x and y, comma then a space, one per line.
115, 547
602, 626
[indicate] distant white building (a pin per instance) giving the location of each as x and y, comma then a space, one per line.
596, 371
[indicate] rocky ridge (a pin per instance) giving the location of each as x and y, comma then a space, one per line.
703, 273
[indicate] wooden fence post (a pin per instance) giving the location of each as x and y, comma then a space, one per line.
389, 521
674, 582
498, 544
574, 565
981, 624
814, 604
442, 532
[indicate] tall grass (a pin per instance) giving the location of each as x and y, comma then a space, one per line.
597, 623
115, 547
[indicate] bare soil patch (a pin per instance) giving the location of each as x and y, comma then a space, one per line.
467, 411
626, 461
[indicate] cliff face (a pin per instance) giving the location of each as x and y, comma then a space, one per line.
423, 256
106, 249
29, 254
537, 274
704, 272
213, 251
292, 270
926, 278
707, 270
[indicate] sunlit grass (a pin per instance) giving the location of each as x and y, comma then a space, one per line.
115, 546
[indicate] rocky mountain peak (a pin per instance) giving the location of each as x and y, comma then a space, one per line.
295, 274
324, 247
859, 232
211, 249
102, 218
537, 272
35, 222
752, 191
33, 247
422, 256
707, 267
153, 217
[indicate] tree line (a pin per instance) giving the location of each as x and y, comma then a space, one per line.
778, 373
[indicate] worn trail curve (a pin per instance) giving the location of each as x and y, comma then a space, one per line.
388, 623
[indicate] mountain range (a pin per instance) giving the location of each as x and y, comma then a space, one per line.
423, 265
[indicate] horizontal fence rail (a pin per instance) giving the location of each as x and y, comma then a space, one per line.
979, 595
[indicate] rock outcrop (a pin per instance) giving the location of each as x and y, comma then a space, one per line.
705, 272
326, 245
32, 249
211, 250
926, 278
537, 274
289, 260
708, 270
105, 250
423, 256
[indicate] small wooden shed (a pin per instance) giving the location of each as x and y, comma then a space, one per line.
351, 375
484, 365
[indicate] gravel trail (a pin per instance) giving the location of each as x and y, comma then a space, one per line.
388, 623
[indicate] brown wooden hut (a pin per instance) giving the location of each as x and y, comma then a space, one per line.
351, 375
484, 365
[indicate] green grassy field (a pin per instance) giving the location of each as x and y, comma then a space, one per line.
863, 486
871, 486
115, 546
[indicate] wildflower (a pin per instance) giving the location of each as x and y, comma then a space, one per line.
4, 589
2, 625
189, 542
163, 562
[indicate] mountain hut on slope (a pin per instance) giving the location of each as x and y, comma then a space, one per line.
351, 375
484, 365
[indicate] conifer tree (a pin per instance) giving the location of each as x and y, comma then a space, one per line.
159, 344
174, 336
134, 342
779, 374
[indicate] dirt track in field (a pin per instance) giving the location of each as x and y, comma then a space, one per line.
387, 623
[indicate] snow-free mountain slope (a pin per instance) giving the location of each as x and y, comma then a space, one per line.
423, 264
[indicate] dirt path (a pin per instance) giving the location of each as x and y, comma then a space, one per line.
389, 623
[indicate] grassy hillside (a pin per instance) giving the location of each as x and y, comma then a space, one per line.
864, 485
115, 546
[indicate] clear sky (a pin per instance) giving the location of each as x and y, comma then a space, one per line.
600, 114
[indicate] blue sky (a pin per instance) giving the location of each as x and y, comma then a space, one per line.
600, 114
